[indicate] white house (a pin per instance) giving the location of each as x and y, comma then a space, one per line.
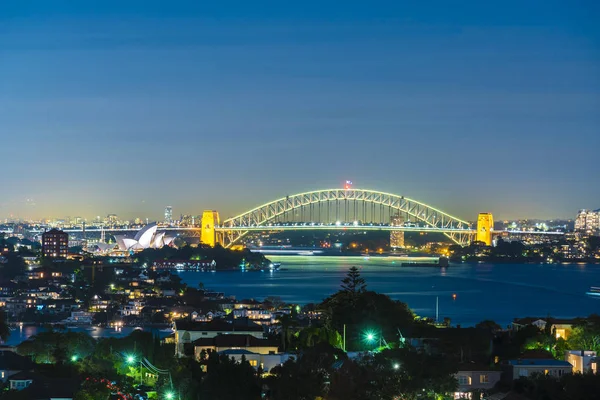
581, 360
187, 331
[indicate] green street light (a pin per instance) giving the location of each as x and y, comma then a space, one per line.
130, 359
74, 357
169, 396
369, 336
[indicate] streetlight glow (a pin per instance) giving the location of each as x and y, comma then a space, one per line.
169, 395
369, 336
74, 357
130, 359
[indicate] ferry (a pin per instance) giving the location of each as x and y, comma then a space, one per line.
594, 291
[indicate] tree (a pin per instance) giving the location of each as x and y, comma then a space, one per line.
221, 372
353, 283
4, 330
286, 322
488, 325
305, 378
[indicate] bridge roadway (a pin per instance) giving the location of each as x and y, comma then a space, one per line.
317, 226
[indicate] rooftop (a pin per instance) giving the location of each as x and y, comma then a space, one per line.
241, 324
235, 341
541, 362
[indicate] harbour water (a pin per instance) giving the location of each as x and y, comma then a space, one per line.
22, 333
499, 292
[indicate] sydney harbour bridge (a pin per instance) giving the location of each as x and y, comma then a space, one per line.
338, 209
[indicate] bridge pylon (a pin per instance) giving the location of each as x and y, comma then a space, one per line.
208, 234
485, 226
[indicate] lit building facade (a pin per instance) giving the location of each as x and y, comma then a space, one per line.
168, 215
55, 244
588, 222
397, 237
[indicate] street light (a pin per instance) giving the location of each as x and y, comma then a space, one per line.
130, 359
169, 396
371, 336
396, 366
74, 357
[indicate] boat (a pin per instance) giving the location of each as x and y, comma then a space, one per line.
274, 266
594, 291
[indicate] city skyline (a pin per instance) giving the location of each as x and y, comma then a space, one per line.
126, 109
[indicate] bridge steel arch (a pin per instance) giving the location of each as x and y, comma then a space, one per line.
230, 231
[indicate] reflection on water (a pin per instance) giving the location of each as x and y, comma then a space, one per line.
499, 292
484, 291
22, 333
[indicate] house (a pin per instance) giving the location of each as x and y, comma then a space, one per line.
528, 366
560, 327
12, 363
38, 387
234, 342
19, 304
474, 377
186, 331
131, 308
99, 303
248, 303
582, 361
258, 315
263, 361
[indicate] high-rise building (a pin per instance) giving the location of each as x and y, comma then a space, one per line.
397, 237
55, 244
168, 215
588, 222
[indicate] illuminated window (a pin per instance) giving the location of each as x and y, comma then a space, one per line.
484, 378
253, 363
464, 380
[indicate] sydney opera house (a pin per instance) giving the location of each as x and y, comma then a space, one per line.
147, 238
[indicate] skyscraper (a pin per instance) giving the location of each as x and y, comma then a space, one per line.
397, 237
168, 215
588, 222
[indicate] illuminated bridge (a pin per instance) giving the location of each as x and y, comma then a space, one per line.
335, 209
339, 209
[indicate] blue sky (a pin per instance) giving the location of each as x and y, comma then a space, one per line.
108, 107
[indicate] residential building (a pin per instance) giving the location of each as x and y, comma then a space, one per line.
258, 315
528, 366
263, 361
587, 222
560, 327
55, 244
475, 378
234, 342
12, 363
583, 361
186, 331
